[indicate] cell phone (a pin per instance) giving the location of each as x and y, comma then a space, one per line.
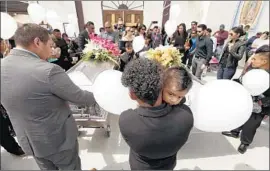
154, 22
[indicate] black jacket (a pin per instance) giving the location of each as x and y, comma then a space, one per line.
204, 48
125, 58
155, 135
230, 58
83, 37
179, 41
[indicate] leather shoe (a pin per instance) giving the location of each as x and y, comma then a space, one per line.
18, 152
242, 148
230, 134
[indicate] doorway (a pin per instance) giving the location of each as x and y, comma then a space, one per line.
130, 17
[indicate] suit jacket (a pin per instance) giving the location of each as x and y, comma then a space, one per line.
155, 135
35, 94
82, 40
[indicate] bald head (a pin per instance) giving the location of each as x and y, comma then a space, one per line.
108, 27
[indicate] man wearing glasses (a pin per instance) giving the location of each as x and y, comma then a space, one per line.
110, 34
85, 35
203, 53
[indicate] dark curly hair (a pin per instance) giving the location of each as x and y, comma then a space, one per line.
181, 75
144, 78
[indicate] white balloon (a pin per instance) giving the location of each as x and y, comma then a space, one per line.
138, 43
36, 12
221, 105
70, 30
52, 17
57, 25
174, 11
256, 81
8, 26
170, 27
110, 94
72, 19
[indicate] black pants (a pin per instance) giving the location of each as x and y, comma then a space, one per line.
249, 128
190, 58
185, 58
7, 141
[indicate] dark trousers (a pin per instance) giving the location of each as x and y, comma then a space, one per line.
185, 58
7, 141
249, 128
190, 58
225, 73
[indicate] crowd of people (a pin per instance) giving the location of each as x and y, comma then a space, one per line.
35, 90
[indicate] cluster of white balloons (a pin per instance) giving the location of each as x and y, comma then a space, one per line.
38, 14
223, 105
217, 106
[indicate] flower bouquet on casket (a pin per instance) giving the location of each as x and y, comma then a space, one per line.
167, 56
101, 51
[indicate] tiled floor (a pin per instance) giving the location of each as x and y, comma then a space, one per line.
202, 151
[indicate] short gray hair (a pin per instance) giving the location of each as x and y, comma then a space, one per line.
144, 78
25, 35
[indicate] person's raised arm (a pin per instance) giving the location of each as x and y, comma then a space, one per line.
62, 86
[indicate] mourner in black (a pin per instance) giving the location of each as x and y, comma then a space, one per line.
65, 61
155, 131
126, 57
259, 61
203, 53
7, 141
231, 54
84, 35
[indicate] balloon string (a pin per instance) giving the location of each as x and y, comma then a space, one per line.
6, 7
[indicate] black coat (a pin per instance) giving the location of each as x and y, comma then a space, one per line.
155, 135
82, 40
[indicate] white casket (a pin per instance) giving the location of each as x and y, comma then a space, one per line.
83, 74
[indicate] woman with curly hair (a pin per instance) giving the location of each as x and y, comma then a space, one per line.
155, 131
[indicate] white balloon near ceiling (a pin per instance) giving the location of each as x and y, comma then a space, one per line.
52, 16
36, 12
175, 11
72, 19
8, 26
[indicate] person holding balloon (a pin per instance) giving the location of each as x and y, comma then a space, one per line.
261, 107
155, 131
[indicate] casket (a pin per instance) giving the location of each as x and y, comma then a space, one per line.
83, 74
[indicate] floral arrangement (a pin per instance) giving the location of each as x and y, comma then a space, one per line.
167, 56
101, 50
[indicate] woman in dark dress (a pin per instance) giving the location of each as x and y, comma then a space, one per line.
179, 40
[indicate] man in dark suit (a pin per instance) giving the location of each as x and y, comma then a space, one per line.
84, 35
155, 131
65, 61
